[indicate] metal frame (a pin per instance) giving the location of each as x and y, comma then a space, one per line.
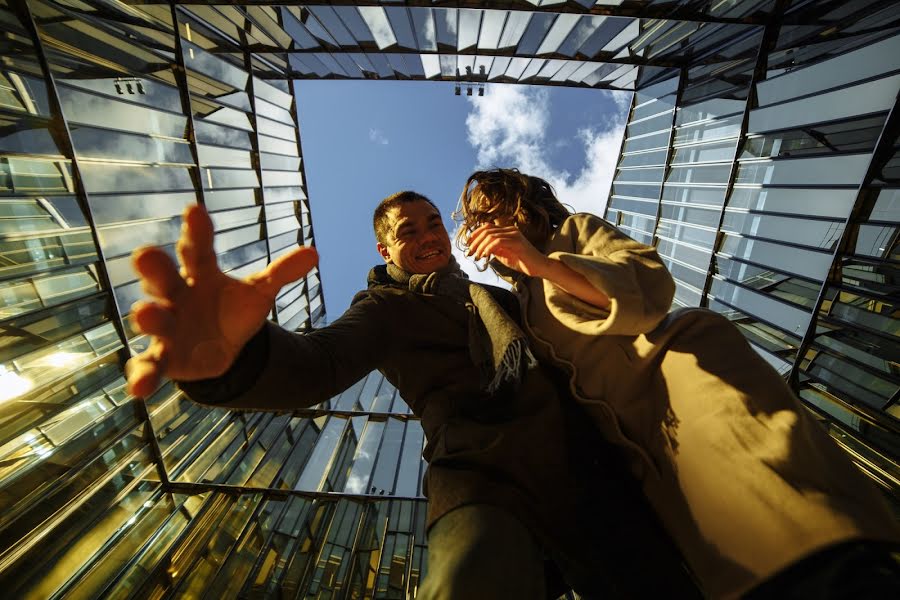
866, 196
63, 136
766, 44
308, 324
184, 88
670, 150
257, 166
570, 7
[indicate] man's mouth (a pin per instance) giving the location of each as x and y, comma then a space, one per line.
430, 254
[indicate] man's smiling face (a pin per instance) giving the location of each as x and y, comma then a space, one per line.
417, 241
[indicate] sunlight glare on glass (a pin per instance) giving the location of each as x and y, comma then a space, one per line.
12, 384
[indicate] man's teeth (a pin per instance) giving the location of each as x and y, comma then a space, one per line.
430, 254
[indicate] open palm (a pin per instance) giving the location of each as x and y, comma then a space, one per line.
199, 317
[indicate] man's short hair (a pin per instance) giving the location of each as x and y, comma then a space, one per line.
381, 221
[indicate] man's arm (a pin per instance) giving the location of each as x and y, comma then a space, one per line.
280, 370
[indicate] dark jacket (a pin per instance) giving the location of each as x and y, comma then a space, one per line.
506, 449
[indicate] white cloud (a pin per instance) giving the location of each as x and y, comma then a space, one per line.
508, 128
356, 484
623, 99
377, 136
378, 23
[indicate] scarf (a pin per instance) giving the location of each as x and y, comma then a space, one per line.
497, 345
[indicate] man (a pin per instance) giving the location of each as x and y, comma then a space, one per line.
501, 486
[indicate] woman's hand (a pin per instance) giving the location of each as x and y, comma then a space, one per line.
508, 246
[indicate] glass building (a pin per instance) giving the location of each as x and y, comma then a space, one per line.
760, 157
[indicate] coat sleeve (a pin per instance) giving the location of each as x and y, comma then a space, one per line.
280, 370
630, 273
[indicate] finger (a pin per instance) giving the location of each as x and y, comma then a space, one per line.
195, 246
487, 230
158, 273
285, 269
482, 227
498, 242
478, 234
476, 246
489, 238
153, 319
145, 371
488, 248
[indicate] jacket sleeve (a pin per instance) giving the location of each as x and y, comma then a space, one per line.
280, 370
630, 273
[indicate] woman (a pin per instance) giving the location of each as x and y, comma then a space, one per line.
738, 471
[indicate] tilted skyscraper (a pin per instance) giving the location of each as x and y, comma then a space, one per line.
760, 157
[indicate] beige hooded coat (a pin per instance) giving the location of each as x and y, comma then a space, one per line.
742, 476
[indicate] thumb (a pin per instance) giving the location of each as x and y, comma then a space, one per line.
285, 269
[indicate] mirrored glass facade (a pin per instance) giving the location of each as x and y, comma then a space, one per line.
760, 157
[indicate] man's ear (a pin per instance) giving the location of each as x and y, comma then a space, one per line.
384, 252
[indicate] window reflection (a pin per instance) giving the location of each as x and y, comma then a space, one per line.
93, 109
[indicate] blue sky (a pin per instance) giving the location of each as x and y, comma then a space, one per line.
364, 140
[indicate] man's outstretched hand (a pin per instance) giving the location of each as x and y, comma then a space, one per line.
200, 318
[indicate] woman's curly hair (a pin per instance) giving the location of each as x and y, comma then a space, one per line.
510, 196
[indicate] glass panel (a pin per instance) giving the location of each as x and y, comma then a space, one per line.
706, 131
657, 123
26, 135
656, 140
869, 61
857, 135
715, 151
827, 170
695, 216
684, 253
656, 157
816, 234
680, 194
834, 203
562, 26
704, 238
783, 315
808, 263
101, 144
537, 29
316, 468
867, 98
102, 111
715, 174
377, 22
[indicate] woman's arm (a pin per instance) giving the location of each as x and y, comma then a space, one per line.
572, 282
511, 248
588, 262
282, 370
